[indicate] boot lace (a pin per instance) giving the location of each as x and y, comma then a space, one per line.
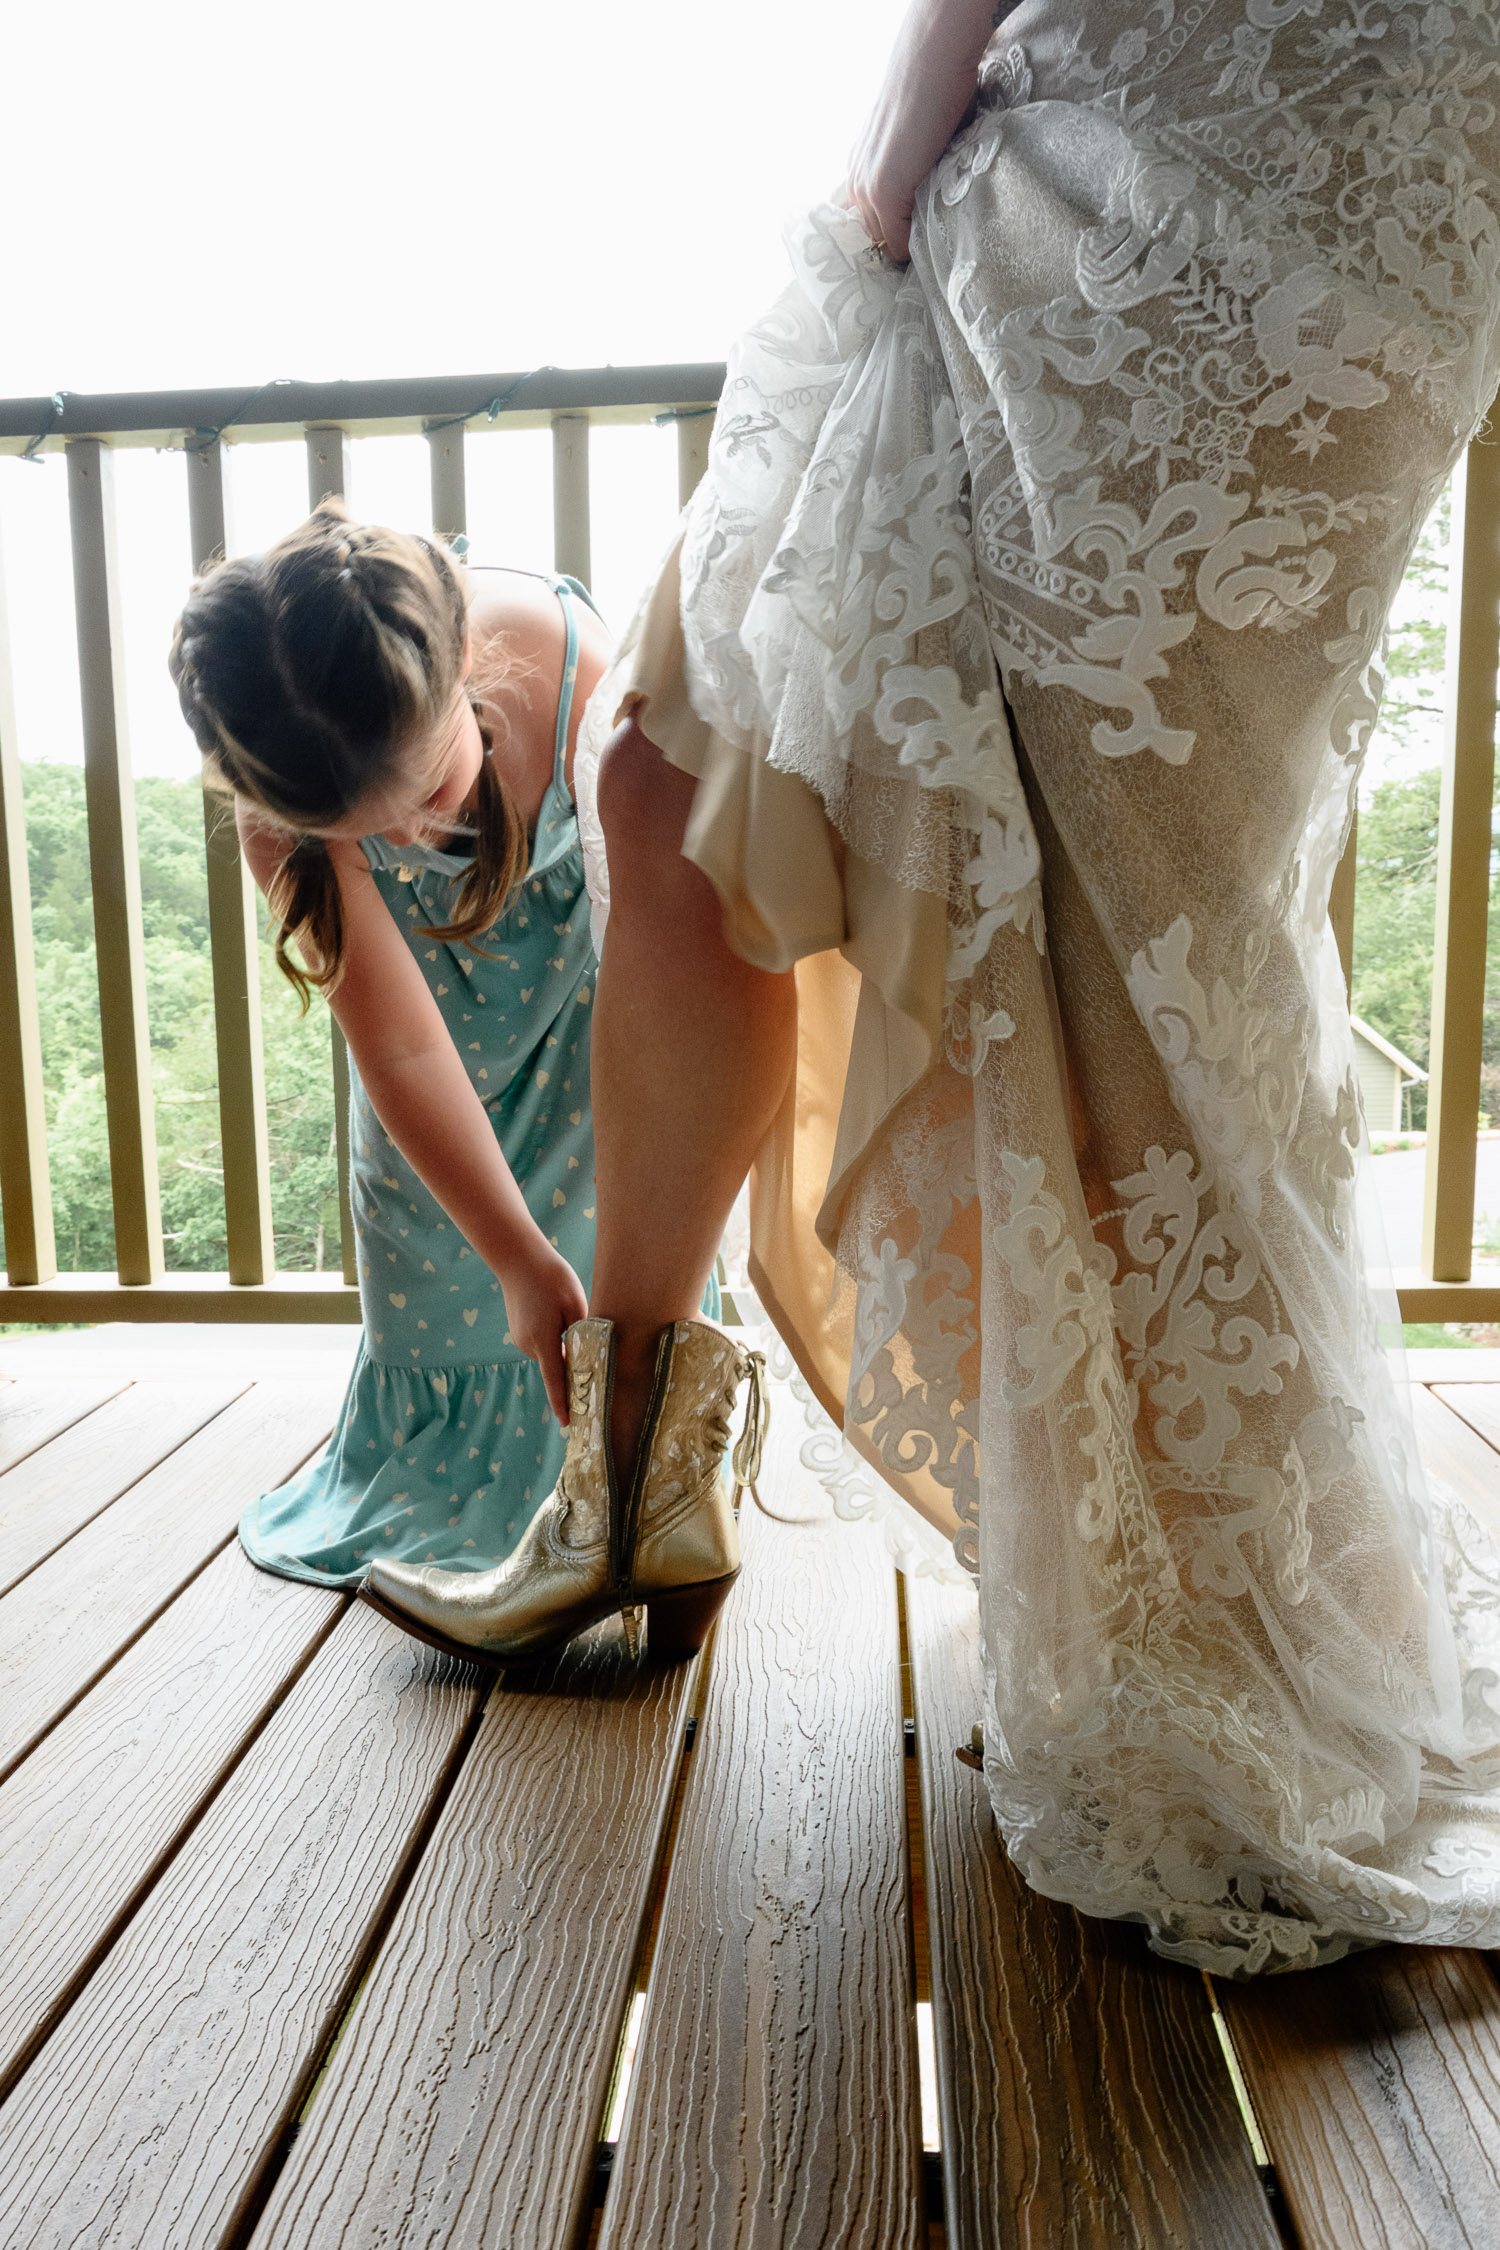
746, 1458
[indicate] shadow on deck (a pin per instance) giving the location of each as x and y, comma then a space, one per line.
311, 1937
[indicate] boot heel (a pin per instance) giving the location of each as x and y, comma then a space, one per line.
678, 1622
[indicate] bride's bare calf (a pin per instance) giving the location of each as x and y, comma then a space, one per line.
692, 1048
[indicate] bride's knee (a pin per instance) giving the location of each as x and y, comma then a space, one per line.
643, 801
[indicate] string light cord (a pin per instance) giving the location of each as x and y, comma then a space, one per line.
202, 440
496, 406
32, 451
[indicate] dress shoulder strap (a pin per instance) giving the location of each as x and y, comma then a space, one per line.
568, 591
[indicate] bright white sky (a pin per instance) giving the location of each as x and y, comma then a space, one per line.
221, 196
215, 196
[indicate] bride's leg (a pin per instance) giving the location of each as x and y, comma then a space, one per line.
691, 1051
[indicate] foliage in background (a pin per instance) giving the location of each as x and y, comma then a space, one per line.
179, 998
1394, 913
1396, 884
1411, 709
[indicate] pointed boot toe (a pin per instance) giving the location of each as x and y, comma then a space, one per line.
558, 1580
399, 1582
542, 1595
416, 1598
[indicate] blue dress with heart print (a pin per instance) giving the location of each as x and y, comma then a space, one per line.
445, 1446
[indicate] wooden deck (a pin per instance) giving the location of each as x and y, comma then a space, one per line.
310, 1937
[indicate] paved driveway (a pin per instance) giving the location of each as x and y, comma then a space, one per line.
1398, 1183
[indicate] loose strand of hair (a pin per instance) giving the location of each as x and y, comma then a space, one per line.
306, 900
501, 858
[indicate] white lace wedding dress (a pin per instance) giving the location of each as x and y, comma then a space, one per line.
1202, 307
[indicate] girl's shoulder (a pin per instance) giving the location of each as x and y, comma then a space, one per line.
519, 636
514, 608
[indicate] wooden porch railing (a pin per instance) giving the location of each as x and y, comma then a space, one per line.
447, 410
87, 429
1443, 1289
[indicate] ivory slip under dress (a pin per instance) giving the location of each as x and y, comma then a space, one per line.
445, 1446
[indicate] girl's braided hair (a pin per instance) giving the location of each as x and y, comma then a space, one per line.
306, 675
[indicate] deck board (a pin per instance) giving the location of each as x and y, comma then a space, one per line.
148, 2117
1084, 2097
1376, 2083
61, 1486
1477, 1404
36, 1408
774, 2100
1455, 1446
68, 1622
88, 1819
222, 1787
471, 2083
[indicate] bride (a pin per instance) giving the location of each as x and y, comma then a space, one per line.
987, 748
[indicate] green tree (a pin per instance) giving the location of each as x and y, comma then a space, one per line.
1411, 708
1394, 914
1396, 885
184, 1062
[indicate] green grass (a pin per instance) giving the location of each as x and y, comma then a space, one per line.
43, 1327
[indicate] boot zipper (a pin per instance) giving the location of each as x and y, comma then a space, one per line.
611, 1495
630, 1521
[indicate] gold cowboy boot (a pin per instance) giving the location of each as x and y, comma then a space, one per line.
669, 1542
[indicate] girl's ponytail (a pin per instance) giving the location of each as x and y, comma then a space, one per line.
305, 900
500, 856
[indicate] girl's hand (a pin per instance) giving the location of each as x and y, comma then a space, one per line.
928, 86
543, 1296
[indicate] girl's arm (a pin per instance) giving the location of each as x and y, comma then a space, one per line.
421, 1093
929, 83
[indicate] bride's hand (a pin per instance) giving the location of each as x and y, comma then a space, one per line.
928, 86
